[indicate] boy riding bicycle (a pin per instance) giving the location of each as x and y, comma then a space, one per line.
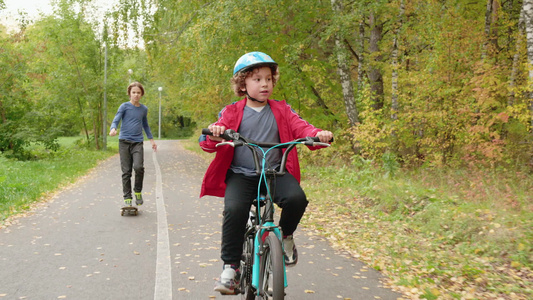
232, 173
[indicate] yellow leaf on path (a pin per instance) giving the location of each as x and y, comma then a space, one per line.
435, 292
309, 292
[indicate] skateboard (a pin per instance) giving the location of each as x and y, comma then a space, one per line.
129, 210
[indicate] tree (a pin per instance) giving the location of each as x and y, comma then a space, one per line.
344, 71
528, 14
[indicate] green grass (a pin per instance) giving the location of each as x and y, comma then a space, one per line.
449, 234
23, 183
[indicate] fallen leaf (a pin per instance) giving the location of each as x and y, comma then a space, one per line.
309, 292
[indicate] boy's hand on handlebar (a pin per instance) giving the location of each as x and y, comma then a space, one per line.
217, 132
324, 136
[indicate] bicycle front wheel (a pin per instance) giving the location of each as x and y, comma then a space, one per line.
272, 275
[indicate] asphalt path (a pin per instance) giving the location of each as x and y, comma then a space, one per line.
76, 245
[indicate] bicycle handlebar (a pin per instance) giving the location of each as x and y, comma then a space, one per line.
239, 140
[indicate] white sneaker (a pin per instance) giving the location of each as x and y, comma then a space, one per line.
291, 254
229, 281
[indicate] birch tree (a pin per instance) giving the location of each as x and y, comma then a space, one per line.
528, 14
344, 71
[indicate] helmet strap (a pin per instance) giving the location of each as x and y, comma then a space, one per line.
252, 98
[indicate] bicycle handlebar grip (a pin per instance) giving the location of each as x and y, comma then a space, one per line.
228, 135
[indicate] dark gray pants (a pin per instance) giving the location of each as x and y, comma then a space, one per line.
240, 192
131, 158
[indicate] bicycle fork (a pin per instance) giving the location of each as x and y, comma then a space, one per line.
258, 251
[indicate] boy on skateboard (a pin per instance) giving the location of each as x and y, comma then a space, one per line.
134, 119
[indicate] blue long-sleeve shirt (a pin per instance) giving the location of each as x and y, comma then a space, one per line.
134, 120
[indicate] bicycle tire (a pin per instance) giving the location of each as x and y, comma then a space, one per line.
272, 281
246, 269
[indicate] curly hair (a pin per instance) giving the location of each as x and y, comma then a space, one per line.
237, 81
137, 84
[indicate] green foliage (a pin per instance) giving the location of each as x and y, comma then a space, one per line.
22, 183
457, 105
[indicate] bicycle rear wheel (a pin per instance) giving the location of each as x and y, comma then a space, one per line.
272, 281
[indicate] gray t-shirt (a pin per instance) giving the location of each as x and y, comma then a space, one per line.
259, 126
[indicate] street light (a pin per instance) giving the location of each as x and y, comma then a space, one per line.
130, 71
159, 131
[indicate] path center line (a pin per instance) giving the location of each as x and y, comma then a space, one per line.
163, 277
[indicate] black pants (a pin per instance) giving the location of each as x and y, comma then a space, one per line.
240, 192
131, 158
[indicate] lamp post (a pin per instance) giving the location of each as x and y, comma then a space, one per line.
130, 71
104, 125
159, 131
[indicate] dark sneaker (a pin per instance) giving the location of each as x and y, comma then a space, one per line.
229, 281
127, 202
291, 254
138, 199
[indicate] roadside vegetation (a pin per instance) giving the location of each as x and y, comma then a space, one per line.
25, 182
436, 233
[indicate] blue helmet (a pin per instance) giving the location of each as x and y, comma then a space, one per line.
252, 59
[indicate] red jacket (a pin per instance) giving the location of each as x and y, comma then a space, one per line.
290, 125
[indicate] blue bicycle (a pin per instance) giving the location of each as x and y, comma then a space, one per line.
262, 266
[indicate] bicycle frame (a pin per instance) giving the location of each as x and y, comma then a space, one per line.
264, 226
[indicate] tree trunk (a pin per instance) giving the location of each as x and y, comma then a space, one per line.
2, 113
528, 18
394, 77
361, 64
516, 60
375, 74
491, 34
83, 120
344, 73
